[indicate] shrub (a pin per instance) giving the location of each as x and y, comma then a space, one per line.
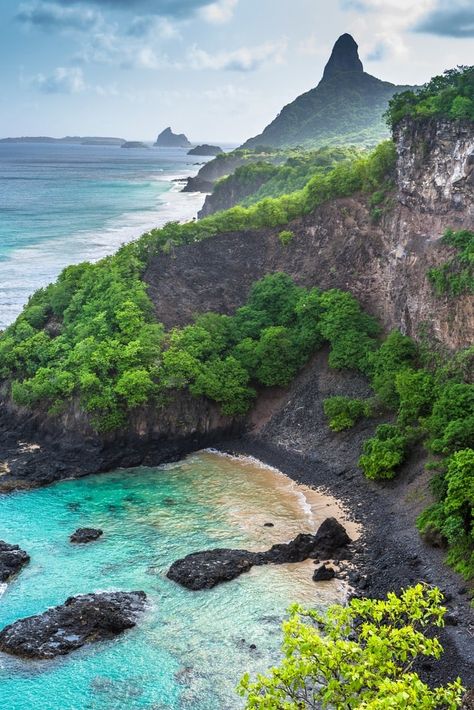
456, 276
344, 412
383, 453
357, 656
285, 237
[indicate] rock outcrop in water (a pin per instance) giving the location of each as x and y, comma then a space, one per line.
204, 570
205, 149
168, 139
85, 535
12, 559
80, 620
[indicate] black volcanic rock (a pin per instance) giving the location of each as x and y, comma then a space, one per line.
331, 538
12, 559
80, 620
84, 535
323, 574
168, 139
204, 570
205, 149
344, 57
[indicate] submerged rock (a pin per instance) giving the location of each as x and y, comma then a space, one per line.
12, 559
84, 535
80, 620
204, 570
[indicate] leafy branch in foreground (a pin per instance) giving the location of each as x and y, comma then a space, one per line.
357, 656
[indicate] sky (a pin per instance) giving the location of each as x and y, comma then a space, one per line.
217, 70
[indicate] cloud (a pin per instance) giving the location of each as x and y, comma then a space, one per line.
219, 12
168, 8
378, 52
48, 16
244, 59
149, 25
63, 80
449, 19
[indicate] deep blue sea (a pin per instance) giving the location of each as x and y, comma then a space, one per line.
61, 204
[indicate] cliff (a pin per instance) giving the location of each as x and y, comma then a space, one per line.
221, 166
168, 139
384, 265
346, 107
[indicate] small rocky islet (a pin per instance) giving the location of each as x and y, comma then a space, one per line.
83, 619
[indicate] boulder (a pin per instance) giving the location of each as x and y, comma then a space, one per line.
331, 539
84, 535
12, 559
203, 570
323, 574
65, 628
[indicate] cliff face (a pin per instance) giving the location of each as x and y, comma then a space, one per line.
384, 265
435, 169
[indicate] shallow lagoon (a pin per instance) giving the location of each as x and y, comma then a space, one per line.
190, 648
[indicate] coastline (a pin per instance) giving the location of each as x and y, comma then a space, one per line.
388, 555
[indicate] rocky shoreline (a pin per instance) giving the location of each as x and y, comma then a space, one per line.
389, 553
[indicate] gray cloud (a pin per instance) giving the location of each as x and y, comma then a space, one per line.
170, 8
449, 19
48, 15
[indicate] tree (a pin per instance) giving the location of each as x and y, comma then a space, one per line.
357, 656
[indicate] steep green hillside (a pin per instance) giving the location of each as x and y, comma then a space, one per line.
346, 107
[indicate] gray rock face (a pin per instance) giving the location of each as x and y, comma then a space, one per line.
204, 570
80, 620
12, 559
435, 167
168, 139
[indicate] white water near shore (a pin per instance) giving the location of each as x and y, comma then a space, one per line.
61, 208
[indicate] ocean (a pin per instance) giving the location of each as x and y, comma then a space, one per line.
189, 649
62, 204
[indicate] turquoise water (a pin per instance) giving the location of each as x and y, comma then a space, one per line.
190, 648
62, 204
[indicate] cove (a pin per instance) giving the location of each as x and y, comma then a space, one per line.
190, 648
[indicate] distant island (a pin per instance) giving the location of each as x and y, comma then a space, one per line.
134, 144
168, 139
75, 140
205, 149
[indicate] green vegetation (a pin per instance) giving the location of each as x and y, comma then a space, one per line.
453, 514
450, 95
456, 276
113, 357
357, 656
344, 412
285, 237
294, 174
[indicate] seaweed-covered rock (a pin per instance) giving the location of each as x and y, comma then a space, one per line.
84, 535
80, 620
12, 559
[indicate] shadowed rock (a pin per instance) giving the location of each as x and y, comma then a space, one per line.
84, 535
12, 559
323, 574
80, 620
204, 570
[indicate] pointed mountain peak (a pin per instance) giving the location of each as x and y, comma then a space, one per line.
344, 57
